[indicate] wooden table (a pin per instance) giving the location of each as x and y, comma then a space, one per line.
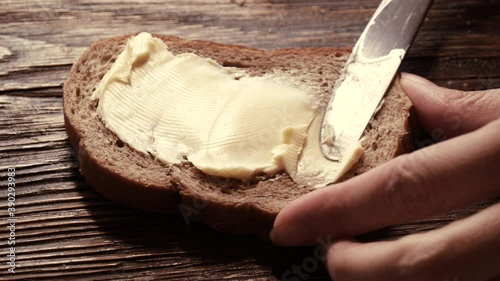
66, 231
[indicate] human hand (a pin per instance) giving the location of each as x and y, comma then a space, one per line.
451, 174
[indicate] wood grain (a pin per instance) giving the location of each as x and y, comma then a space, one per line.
66, 231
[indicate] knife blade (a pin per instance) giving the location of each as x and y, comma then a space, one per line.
368, 73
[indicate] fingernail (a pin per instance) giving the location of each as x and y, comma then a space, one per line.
420, 90
412, 78
290, 234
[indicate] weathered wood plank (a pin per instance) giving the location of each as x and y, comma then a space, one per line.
65, 230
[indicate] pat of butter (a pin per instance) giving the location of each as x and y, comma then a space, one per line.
177, 107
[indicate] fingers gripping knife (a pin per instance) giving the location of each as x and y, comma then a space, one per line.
368, 74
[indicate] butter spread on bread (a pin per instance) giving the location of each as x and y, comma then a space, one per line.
183, 106
135, 179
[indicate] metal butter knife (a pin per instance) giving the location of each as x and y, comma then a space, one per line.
368, 73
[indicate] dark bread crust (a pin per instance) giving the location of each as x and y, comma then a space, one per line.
246, 207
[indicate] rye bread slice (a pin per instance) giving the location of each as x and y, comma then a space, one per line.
131, 178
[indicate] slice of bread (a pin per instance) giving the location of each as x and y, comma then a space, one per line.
134, 179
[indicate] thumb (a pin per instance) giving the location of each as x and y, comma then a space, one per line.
452, 112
